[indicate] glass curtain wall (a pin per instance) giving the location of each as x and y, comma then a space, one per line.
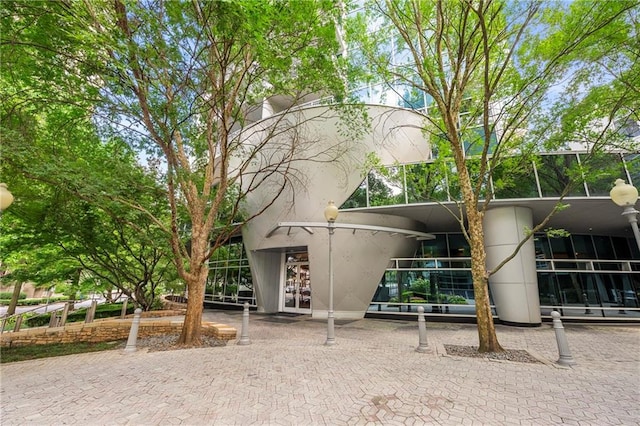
588, 275
546, 175
230, 279
579, 275
438, 277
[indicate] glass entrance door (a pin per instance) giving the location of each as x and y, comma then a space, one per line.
297, 285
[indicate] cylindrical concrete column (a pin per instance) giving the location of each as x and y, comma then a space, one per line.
514, 287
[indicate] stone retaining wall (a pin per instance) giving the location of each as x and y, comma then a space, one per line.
156, 314
105, 331
167, 303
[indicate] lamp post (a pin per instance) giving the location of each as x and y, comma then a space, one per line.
331, 214
6, 198
626, 195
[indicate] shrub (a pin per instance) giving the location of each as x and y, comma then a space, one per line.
455, 299
420, 287
30, 302
9, 295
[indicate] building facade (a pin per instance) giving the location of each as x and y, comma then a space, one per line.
399, 245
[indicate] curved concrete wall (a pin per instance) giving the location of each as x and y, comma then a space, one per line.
514, 287
326, 165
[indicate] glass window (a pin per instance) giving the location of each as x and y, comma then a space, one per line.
474, 141
561, 248
583, 247
602, 171
547, 289
358, 198
458, 246
621, 247
386, 187
230, 279
543, 249
426, 182
632, 163
410, 97
604, 248
515, 177
436, 247
555, 172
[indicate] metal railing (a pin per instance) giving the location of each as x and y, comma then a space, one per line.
58, 312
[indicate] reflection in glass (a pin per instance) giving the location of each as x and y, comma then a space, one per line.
426, 182
230, 279
555, 173
604, 169
297, 285
358, 198
632, 163
473, 140
435, 248
515, 177
387, 187
583, 246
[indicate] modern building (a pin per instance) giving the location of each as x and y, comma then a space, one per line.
398, 245
398, 241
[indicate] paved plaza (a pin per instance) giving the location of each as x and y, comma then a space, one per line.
373, 375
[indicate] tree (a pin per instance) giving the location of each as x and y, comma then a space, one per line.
64, 228
179, 81
492, 71
67, 178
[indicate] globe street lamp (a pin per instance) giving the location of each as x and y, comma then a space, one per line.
626, 195
331, 214
6, 198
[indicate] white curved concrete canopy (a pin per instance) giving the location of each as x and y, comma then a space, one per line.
326, 165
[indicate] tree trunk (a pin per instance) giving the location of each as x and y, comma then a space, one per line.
488, 340
14, 298
195, 281
192, 325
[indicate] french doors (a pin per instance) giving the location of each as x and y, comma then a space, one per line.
296, 291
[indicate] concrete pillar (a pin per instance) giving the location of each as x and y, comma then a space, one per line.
514, 287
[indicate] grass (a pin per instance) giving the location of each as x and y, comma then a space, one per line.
23, 353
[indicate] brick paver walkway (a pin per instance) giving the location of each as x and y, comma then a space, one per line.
373, 375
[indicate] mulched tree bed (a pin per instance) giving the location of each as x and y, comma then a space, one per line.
515, 355
168, 342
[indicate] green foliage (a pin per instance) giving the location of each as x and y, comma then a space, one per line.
8, 295
23, 353
455, 299
231, 290
31, 302
102, 311
83, 81
420, 287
